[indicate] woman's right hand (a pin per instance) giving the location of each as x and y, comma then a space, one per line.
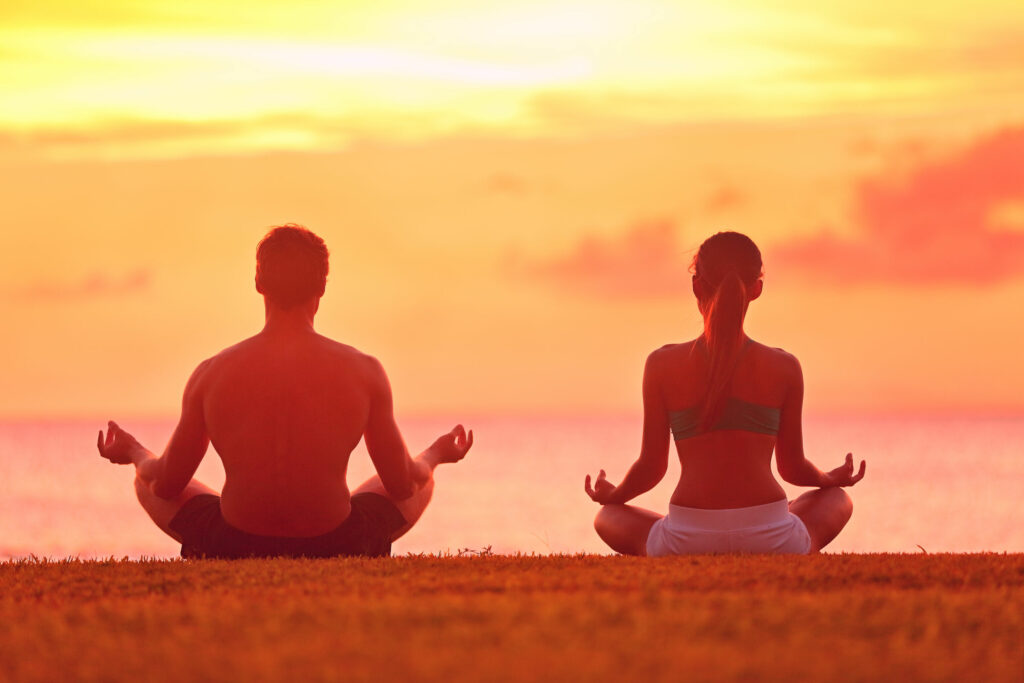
602, 489
843, 475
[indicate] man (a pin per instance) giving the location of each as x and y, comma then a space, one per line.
284, 409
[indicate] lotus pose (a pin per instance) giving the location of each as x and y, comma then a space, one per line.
728, 403
284, 409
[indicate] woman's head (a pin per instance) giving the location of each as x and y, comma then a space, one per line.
726, 278
726, 256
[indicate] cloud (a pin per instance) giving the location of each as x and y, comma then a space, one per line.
582, 112
128, 133
944, 222
645, 261
93, 286
76, 13
507, 183
724, 198
156, 138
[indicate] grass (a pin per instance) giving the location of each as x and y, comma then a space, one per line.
500, 618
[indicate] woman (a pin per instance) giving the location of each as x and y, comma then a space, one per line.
728, 403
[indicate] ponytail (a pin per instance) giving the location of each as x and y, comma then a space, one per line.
723, 332
726, 265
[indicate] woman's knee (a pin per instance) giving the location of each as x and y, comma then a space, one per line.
142, 491
841, 501
605, 516
833, 498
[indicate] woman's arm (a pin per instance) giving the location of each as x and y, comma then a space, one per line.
793, 465
651, 465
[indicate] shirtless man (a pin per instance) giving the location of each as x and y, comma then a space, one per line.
284, 409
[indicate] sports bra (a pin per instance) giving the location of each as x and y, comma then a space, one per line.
737, 414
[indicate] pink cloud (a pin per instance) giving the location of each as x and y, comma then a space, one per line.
938, 224
90, 287
507, 183
724, 198
647, 260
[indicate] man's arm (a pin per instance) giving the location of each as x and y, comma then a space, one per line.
167, 475
400, 474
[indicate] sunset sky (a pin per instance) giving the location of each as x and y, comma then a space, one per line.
512, 193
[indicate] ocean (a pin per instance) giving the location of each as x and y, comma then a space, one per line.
933, 484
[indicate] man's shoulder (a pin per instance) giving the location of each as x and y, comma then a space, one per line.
356, 363
226, 354
329, 354
348, 353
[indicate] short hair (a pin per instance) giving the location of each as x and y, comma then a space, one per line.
291, 266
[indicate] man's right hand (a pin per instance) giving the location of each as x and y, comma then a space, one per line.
119, 447
453, 446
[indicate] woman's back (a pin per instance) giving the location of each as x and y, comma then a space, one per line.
728, 466
728, 403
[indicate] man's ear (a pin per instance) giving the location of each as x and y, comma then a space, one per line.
756, 290
257, 281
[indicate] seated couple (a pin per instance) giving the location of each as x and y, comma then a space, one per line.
284, 410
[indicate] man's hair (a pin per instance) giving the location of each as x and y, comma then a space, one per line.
291, 266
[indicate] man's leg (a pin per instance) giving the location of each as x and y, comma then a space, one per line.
411, 508
162, 511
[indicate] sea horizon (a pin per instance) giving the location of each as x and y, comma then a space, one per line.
939, 484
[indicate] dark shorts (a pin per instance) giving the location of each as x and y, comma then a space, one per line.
367, 531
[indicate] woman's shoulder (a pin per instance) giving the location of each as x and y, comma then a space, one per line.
671, 351
777, 356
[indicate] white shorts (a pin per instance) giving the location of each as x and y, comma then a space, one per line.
769, 528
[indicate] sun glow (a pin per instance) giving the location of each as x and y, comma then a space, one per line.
415, 70
466, 161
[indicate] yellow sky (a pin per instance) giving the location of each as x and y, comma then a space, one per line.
81, 78
496, 182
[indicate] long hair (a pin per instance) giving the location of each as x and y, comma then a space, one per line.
728, 264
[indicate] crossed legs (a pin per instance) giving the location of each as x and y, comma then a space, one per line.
823, 511
411, 508
162, 511
625, 527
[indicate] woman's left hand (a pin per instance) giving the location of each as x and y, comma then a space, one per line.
602, 490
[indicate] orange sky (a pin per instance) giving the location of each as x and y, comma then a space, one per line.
512, 192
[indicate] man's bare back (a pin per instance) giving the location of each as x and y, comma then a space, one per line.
284, 409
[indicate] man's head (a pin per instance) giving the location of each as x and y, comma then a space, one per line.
291, 266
